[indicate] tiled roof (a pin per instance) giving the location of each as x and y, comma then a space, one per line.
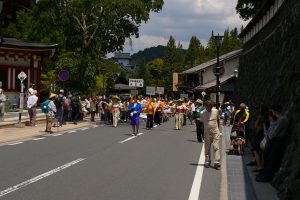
16, 43
212, 62
213, 83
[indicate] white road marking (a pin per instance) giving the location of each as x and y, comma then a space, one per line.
11, 144
130, 138
57, 134
37, 178
83, 129
195, 190
155, 126
95, 126
72, 131
39, 138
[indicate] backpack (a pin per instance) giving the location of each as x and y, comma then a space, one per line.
44, 106
67, 104
58, 102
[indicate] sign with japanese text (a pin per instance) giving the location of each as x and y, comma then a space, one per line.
136, 82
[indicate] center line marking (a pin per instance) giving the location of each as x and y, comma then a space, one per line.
130, 138
195, 190
37, 178
15, 143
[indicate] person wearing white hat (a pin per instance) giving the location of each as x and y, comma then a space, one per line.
2, 104
179, 116
31, 105
115, 109
199, 125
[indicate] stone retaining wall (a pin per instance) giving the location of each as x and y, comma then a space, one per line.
270, 72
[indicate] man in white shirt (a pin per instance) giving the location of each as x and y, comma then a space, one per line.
210, 118
31, 106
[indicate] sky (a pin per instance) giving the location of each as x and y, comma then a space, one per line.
186, 18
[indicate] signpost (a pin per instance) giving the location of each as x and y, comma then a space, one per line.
22, 76
136, 82
63, 76
160, 90
150, 90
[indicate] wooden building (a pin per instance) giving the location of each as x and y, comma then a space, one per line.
17, 56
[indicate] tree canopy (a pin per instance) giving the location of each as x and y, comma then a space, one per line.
85, 30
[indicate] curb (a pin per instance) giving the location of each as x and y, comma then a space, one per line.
224, 177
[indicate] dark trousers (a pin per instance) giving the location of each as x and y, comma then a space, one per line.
75, 114
149, 121
274, 156
107, 118
200, 131
157, 117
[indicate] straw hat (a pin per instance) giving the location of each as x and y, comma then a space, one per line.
52, 95
180, 100
199, 101
115, 97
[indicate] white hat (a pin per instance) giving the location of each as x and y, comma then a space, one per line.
30, 90
61, 91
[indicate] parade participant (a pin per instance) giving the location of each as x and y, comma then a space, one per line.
187, 111
150, 107
193, 109
157, 115
2, 104
31, 105
115, 110
241, 116
210, 117
199, 125
135, 109
179, 110
51, 113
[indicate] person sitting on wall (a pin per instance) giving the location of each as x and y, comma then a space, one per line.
275, 145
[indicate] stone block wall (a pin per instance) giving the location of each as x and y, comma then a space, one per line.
270, 72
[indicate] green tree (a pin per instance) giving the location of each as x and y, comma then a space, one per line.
193, 53
89, 28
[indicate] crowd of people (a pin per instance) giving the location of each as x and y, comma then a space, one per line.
266, 142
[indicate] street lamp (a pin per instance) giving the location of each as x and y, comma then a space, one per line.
218, 71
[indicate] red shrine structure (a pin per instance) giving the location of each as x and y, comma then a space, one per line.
17, 56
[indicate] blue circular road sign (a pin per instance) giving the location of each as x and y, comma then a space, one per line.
63, 75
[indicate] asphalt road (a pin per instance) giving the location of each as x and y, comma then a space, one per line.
104, 162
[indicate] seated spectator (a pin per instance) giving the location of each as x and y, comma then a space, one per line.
255, 142
275, 146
